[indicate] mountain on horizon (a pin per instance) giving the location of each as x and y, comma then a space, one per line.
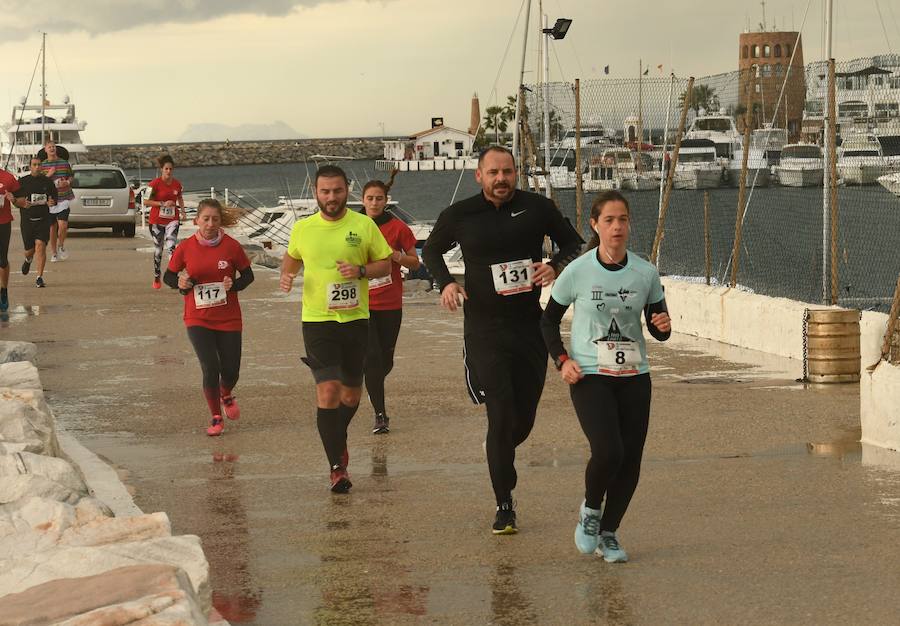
243, 132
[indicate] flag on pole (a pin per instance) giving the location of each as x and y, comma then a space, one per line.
659, 67
646, 71
606, 69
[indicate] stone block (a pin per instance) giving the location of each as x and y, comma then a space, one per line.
20, 573
26, 422
19, 375
145, 595
13, 351
13, 488
30, 464
38, 524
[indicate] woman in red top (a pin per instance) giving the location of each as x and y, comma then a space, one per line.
209, 269
166, 212
385, 298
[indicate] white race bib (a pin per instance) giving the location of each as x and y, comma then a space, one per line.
167, 211
208, 295
378, 283
618, 358
343, 296
38, 198
512, 277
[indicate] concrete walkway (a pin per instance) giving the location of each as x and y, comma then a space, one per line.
756, 504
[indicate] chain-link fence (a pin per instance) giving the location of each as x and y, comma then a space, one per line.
628, 128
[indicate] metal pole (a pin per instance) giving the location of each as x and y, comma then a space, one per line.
706, 242
547, 190
516, 132
670, 179
832, 188
662, 161
579, 182
43, 88
742, 194
826, 180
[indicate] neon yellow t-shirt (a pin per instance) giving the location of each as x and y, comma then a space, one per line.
319, 244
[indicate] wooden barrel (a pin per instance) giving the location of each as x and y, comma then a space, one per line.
833, 345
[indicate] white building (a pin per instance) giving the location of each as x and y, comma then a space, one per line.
438, 148
867, 91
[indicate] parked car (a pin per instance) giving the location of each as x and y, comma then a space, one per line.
103, 197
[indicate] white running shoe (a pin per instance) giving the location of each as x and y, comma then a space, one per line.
63, 255
610, 549
54, 259
587, 532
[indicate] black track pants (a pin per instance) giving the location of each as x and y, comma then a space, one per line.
384, 328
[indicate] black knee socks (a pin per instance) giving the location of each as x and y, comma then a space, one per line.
333, 425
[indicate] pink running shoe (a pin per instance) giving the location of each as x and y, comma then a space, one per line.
232, 411
216, 426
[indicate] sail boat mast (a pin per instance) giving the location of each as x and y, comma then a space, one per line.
517, 137
43, 88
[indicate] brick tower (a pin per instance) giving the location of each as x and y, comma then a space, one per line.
765, 64
475, 117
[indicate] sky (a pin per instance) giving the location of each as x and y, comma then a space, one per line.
142, 71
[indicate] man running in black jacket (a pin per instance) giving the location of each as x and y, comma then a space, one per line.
501, 232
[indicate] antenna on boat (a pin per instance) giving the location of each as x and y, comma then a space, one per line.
43, 88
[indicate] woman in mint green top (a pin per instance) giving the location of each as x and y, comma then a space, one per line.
607, 370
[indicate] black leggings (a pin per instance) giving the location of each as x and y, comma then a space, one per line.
614, 415
5, 230
219, 352
510, 363
384, 328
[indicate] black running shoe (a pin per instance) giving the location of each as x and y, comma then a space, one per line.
39, 282
26, 267
382, 424
505, 522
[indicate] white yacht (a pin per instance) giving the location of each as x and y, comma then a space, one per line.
861, 161
758, 172
771, 141
721, 130
698, 166
802, 165
624, 169
32, 124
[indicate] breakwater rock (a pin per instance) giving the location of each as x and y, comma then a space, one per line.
234, 152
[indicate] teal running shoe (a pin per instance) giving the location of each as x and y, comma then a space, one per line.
587, 532
610, 549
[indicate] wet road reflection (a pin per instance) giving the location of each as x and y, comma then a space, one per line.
234, 595
509, 605
606, 601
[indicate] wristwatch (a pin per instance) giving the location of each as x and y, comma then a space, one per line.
558, 361
362, 271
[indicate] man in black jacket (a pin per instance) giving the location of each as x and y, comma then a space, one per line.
501, 232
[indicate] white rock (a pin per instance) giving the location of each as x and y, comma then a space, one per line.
11, 351
145, 595
13, 488
26, 422
18, 574
38, 524
57, 470
19, 375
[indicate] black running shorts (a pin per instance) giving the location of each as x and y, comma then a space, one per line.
35, 230
336, 351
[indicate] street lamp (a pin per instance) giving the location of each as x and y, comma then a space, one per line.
559, 30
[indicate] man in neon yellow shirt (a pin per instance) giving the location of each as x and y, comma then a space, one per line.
339, 251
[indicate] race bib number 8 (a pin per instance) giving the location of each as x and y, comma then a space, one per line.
618, 358
512, 277
208, 295
343, 296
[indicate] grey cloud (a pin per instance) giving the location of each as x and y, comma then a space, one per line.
97, 17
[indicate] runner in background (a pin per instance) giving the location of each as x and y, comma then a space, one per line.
8, 185
209, 269
58, 170
35, 196
609, 377
385, 297
166, 213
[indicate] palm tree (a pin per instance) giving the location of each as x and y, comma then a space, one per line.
702, 97
495, 119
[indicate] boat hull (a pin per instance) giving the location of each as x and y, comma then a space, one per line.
760, 177
860, 174
806, 177
891, 182
698, 179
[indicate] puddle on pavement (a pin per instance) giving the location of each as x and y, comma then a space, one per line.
21, 313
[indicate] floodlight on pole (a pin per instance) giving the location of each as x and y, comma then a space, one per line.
560, 28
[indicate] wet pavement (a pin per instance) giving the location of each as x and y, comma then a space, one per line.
756, 505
